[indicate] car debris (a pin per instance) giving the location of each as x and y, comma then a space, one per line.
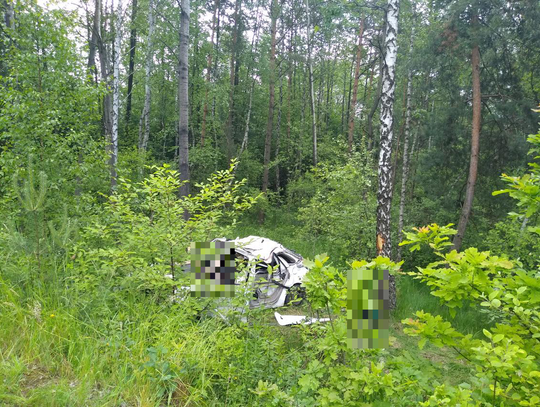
282, 286
274, 276
284, 320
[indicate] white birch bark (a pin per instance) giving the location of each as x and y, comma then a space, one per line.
405, 166
116, 92
144, 124
384, 192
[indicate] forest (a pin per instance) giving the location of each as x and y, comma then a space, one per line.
370, 137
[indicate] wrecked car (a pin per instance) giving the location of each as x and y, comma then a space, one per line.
275, 273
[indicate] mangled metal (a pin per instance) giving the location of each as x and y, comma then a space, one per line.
275, 274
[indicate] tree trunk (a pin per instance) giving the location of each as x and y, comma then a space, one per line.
355, 87
116, 93
405, 166
183, 101
209, 72
94, 38
9, 13
248, 117
233, 63
289, 90
107, 98
475, 144
144, 123
132, 46
254, 44
384, 192
371, 135
278, 130
311, 92
270, 123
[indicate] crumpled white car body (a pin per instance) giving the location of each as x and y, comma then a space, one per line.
275, 289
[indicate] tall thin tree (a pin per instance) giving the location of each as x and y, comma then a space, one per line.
116, 93
352, 113
131, 66
311, 79
274, 13
209, 72
475, 142
384, 192
144, 122
183, 99
233, 79
406, 155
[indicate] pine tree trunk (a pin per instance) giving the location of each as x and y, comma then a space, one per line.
209, 73
475, 144
384, 192
132, 46
144, 123
405, 166
183, 100
270, 123
355, 87
311, 91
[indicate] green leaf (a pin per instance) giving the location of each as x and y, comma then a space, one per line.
487, 333
496, 303
498, 338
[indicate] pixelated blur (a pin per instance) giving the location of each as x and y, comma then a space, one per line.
212, 269
368, 315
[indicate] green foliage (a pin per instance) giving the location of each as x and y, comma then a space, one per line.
141, 234
506, 367
160, 372
326, 286
506, 290
338, 203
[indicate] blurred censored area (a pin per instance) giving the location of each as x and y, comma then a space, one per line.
213, 269
368, 312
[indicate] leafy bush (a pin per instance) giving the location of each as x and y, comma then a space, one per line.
338, 202
139, 239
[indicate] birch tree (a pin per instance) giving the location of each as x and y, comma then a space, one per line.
406, 155
384, 192
116, 93
144, 122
